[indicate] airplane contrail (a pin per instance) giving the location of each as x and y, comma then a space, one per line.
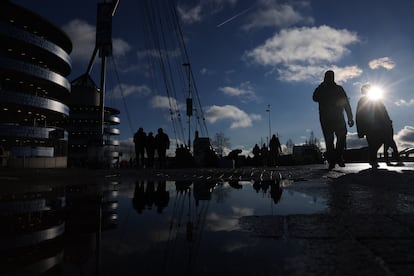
234, 17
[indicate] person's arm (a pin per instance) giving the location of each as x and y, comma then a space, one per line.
360, 120
316, 94
348, 111
347, 108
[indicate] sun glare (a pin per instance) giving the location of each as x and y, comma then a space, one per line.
375, 93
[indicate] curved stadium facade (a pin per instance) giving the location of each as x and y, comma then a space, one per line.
89, 144
34, 91
46, 121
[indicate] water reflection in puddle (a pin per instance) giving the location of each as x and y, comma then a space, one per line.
192, 228
146, 227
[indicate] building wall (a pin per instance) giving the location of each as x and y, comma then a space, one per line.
89, 144
34, 90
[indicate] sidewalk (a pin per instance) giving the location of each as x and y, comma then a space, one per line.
368, 230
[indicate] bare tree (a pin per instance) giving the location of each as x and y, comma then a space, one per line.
220, 142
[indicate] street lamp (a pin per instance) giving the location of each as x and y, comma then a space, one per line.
270, 130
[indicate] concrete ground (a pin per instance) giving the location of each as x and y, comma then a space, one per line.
368, 228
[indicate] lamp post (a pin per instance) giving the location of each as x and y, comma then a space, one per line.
270, 130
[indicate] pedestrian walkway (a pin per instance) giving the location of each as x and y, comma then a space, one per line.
368, 229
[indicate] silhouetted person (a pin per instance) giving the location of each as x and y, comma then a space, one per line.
257, 186
162, 196
373, 122
333, 101
275, 192
275, 148
234, 155
256, 154
150, 148
139, 200
150, 194
162, 143
139, 140
264, 154
390, 143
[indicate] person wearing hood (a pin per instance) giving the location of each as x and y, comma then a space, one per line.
333, 100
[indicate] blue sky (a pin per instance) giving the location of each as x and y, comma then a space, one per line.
247, 55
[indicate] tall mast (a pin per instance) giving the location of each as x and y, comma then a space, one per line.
103, 45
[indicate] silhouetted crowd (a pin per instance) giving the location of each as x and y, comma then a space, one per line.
267, 156
149, 145
150, 194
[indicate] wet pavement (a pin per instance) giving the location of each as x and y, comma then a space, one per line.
301, 220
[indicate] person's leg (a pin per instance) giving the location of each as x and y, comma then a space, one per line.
373, 145
340, 144
142, 153
328, 135
162, 157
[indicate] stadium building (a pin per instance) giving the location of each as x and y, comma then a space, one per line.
34, 90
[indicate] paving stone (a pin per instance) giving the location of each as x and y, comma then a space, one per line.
318, 226
375, 226
392, 251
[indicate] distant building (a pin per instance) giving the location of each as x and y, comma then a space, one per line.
87, 147
204, 155
307, 154
34, 91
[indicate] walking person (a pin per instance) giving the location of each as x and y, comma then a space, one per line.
162, 143
333, 100
373, 122
275, 148
264, 155
150, 149
139, 140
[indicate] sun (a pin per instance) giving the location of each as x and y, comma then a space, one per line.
375, 93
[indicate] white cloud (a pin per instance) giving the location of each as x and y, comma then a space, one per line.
405, 137
304, 54
310, 45
120, 47
403, 102
82, 35
315, 74
239, 118
83, 39
353, 141
272, 14
245, 91
125, 90
164, 102
384, 62
190, 15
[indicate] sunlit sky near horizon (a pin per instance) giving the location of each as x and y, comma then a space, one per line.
247, 55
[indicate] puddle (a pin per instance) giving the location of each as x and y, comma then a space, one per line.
147, 227
194, 227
